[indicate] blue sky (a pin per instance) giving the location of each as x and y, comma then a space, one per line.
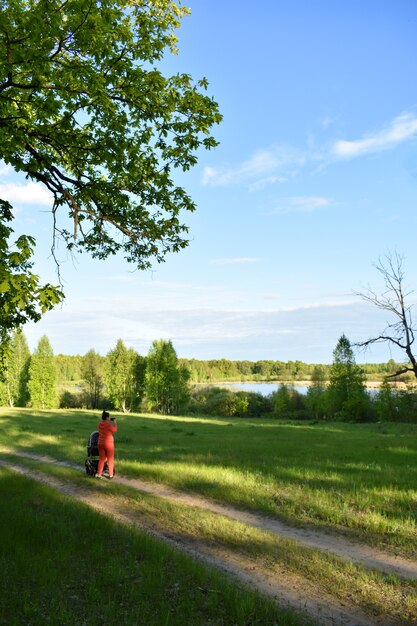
315, 178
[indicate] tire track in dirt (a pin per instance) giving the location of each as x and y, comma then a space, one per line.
287, 589
353, 551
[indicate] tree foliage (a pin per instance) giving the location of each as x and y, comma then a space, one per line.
85, 111
42, 376
93, 374
346, 394
13, 389
287, 402
124, 377
78, 377
22, 298
316, 393
69, 367
166, 381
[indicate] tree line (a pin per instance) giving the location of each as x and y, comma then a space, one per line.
122, 380
223, 370
160, 382
70, 368
336, 392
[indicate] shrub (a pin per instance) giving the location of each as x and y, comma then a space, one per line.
70, 400
258, 405
226, 403
288, 403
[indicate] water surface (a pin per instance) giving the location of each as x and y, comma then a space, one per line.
265, 389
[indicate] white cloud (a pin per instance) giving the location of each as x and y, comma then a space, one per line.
302, 204
280, 163
264, 182
31, 193
400, 129
234, 261
264, 167
329, 121
211, 333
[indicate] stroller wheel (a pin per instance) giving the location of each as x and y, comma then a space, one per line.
89, 469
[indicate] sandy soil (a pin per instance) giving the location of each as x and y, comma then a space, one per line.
287, 590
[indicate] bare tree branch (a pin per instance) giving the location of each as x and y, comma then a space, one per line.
401, 332
403, 370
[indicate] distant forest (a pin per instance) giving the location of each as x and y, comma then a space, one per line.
221, 370
160, 382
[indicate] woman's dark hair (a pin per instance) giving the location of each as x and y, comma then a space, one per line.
105, 415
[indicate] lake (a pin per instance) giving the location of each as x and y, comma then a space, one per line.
263, 388
267, 388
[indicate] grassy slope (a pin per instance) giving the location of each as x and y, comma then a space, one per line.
317, 572
62, 563
358, 479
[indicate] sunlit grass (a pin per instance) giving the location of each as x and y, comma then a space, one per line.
357, 479
362, 510
62, 563
372, 591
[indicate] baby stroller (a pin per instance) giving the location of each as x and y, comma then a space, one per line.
91, 462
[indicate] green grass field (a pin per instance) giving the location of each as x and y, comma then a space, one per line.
356, 479
62, 563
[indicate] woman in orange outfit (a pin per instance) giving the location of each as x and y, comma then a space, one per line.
106, 428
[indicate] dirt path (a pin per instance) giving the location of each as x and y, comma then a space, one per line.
287, 590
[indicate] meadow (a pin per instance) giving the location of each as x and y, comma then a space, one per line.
359, 480
356, 480
54, 570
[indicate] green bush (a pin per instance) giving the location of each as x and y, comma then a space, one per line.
258, 405
70, 400
393, 405
288, 403
223, 402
